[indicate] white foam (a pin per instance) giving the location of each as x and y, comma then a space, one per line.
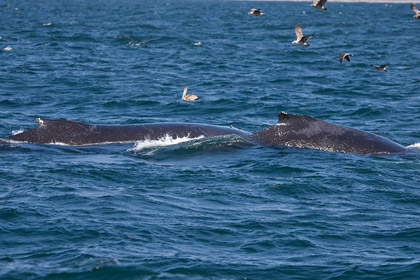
14, 132
137, 43
134, 43
8, 48
47, 24
415, 145
167, 140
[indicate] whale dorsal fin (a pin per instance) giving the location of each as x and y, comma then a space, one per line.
283, 116
286, 117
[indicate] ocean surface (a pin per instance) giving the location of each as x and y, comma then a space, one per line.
215, 208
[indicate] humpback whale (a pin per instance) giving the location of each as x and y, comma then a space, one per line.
308, 132
76, 133
291, 130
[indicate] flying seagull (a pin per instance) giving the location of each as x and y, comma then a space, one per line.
319, 5
417, 16
300, 39
380, 68
256, 12
344, 56
188, 97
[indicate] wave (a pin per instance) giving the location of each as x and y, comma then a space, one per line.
167, 147
167, 140
414, 147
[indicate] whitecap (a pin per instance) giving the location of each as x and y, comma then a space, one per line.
8, 48
137, 43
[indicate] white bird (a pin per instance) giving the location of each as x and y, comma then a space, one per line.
319, 5
256, 12
417, 15
188, 97
300, 39
344, 56
380, 67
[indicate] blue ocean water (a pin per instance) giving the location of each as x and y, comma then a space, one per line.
208, 208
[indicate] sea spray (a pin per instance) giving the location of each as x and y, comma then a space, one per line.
167, 140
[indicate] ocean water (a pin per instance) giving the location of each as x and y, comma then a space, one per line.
215, 208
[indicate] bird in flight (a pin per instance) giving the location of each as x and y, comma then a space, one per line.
300, 39
417, 15
319, 5
344, 56
380, 67
256, 12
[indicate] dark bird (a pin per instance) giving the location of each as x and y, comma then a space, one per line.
381, 67
319, 5
417, 15
256, 12
300, 39
344, 56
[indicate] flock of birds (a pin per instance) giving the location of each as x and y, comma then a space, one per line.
302, 40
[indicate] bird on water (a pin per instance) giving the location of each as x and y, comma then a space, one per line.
188, 97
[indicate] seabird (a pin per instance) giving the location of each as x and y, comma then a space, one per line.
417, 16
256, 12
188, 97
344, 56
300, 39
380, 68
319, 5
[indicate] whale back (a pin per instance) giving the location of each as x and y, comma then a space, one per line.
291, 130
55, 131
76, 133
308, 132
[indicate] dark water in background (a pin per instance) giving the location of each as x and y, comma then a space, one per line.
208, 208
